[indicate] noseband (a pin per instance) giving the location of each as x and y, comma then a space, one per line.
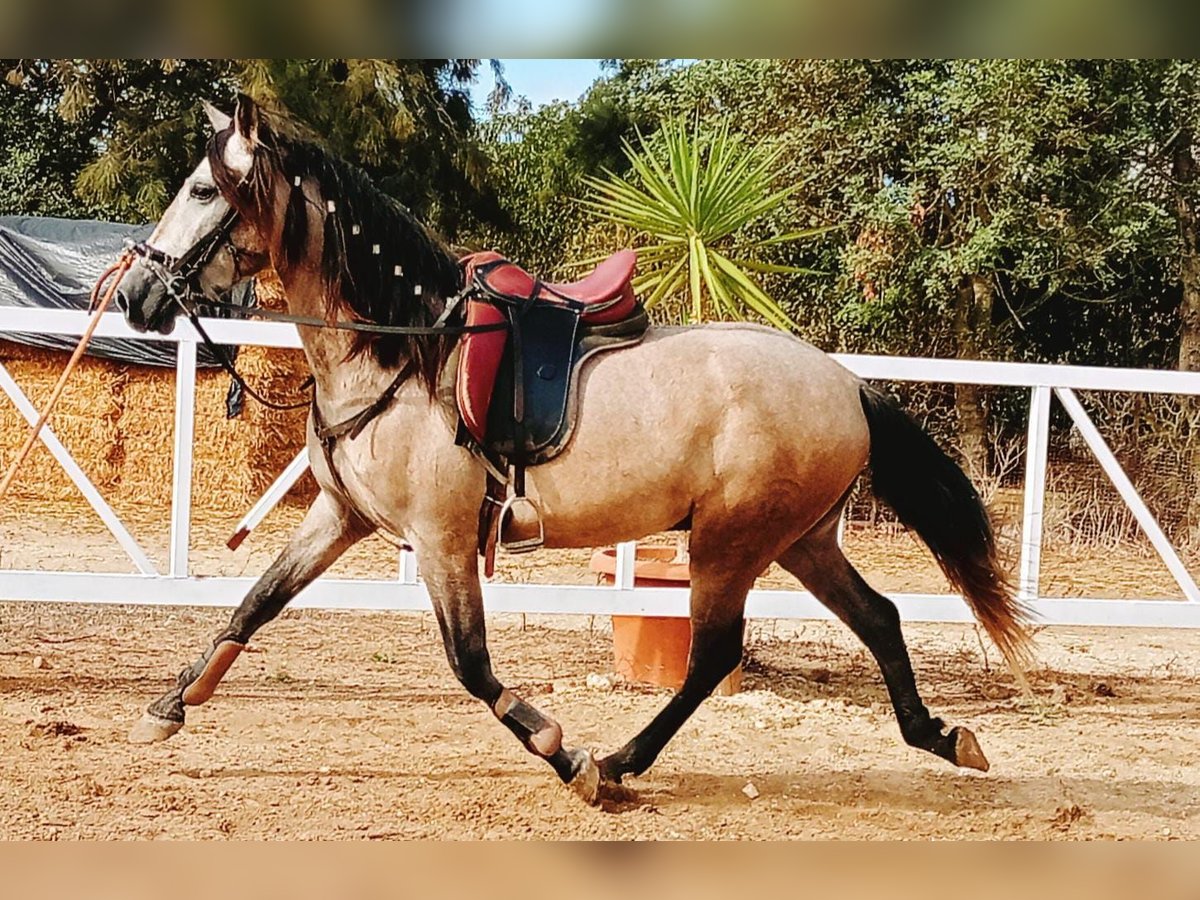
180, 275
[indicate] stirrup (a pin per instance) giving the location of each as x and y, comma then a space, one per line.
525, 544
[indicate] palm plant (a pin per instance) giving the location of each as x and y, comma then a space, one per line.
693, 195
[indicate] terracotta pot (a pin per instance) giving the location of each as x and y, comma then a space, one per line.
654, 649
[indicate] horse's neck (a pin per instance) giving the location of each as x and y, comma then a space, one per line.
345, 383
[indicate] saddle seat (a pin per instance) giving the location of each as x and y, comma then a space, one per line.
605, 293
556, 320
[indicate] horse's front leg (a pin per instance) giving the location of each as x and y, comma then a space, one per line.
328, 529
458, 603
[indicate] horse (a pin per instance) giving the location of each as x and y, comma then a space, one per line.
746, 436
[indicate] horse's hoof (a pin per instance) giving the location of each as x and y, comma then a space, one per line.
150, 729
586, 782
967, 752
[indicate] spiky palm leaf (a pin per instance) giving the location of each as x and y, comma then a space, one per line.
692, 197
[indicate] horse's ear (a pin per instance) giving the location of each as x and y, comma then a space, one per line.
245, 117
216, 118
239, 150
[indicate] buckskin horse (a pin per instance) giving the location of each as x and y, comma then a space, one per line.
746, 436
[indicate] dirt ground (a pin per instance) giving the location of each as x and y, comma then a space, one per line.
349, 725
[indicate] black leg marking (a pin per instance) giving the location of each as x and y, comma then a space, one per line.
458, 605
819, 563
716, 651
324, 535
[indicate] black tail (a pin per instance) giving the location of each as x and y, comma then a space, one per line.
933, 497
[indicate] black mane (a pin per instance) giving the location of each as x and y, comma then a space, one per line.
379, 264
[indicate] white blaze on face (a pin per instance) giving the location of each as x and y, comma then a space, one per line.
196, 210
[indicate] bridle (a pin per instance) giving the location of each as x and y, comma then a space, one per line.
180, 277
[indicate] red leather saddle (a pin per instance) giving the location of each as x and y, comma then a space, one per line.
602, 297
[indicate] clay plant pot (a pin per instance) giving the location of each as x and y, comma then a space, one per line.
654, 649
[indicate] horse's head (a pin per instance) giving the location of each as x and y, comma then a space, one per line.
205, 241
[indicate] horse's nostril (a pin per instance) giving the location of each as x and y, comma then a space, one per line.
132, 311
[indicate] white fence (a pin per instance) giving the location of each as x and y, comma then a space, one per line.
178, 586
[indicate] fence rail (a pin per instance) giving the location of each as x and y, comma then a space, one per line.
179, 586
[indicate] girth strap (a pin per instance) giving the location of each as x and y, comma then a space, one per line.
353, 426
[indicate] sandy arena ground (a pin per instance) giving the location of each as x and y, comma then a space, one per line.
349, 725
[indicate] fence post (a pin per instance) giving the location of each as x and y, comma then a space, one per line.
185, 433
408, 567
1035, 492
626, 558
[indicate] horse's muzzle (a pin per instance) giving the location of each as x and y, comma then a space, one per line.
145, 302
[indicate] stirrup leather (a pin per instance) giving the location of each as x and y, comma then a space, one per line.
524, 545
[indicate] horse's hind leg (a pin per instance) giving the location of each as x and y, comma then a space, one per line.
819, 563
718, 601
327, 530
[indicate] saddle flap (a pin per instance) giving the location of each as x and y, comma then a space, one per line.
478, 366
550, 347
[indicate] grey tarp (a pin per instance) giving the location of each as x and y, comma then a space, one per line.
53, 263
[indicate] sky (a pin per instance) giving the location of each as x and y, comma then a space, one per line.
541, 80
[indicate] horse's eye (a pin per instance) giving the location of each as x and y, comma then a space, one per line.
203, 192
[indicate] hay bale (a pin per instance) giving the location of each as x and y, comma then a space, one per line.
269, 438
118, 421
279, 435
269, 292
274, 437
220, 476
235, 460
84, 419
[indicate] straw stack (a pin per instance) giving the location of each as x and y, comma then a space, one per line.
85, 420
118, 422
275, 436
235, 460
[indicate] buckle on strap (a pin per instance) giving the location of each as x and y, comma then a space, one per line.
524, 545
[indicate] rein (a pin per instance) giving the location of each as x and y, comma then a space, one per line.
179, 278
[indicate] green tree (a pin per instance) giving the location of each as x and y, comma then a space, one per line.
694, 194
408, 122
40, 158
1162, 107
984, 201
1010, 191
